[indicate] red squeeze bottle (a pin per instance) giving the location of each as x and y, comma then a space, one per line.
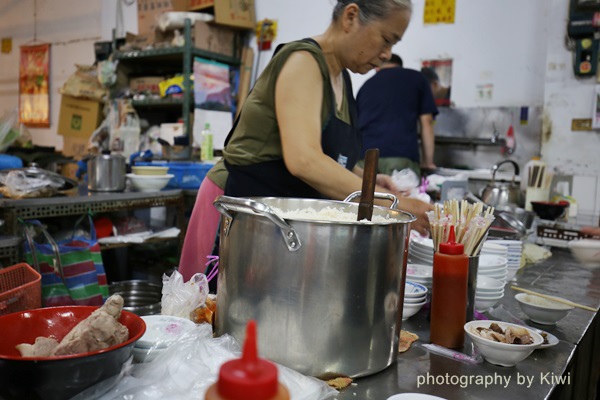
449, 294
249, 377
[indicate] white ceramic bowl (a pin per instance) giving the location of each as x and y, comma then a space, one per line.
542, 311
149, 170
491, 262
419, 270
504, 354
149, 183
161, 332
482, 304
487, 284
410, 309
415, 300
586, 251
490, 296
414, 290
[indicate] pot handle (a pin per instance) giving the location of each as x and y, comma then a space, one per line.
224, 204
378, 195
495, 168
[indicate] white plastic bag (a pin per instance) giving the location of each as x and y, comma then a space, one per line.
180, 298
188, 367
405, 180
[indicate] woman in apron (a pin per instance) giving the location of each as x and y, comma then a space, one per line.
297, 133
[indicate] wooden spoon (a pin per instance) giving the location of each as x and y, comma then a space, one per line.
365, 207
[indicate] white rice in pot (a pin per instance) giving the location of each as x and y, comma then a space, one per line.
328, 214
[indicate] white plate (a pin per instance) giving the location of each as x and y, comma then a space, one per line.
552, 340
422, 243
414, 396
163, 330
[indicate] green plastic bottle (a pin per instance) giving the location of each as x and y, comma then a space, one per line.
206, 147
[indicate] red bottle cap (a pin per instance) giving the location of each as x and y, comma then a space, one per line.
249, 377
451, 247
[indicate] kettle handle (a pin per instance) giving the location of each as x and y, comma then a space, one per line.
224, 204
495, 168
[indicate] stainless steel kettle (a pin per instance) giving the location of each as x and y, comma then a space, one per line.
500, 194
106, 173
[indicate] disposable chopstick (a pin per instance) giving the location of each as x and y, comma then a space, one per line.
551, 298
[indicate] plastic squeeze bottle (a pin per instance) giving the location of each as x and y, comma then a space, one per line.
248, 378
449, 294
206, 147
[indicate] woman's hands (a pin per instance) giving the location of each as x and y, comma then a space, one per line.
418, 208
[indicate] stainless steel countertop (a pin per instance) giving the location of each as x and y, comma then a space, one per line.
418, 371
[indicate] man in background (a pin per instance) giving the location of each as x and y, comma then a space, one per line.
392, 105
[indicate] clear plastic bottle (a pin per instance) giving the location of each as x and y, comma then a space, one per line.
248, 378
449, 294
206, 147
527, 176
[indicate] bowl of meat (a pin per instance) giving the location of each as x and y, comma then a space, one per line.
502, 343
57, 352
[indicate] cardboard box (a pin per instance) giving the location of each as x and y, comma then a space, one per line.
148, 10
236, 13
215, 38
75, 147
147, 84
78, 118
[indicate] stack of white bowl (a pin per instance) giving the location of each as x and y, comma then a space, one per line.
493, 266
415, 297
514, 252
420, 273
489, 291
420, 251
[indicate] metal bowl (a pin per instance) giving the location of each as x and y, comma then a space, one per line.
141, 297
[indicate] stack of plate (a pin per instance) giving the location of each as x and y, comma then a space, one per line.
514, 253
415, 297
494, 248
419, 273
420, 251
489, 291
493, 266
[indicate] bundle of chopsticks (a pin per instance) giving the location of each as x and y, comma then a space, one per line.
471, 224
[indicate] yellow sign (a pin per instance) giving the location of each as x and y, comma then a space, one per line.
6, 45
439, 11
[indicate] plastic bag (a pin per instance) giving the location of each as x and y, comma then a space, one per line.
405, 180
9, 131
17, 185
180, 298
84, 83
188, 367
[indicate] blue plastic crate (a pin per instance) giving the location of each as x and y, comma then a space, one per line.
188, 175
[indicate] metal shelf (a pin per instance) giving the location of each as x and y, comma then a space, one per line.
469, 141
171, 53
152, 102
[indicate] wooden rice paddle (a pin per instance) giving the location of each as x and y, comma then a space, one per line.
365, 207
545, 296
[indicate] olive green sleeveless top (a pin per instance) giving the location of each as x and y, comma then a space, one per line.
256, 137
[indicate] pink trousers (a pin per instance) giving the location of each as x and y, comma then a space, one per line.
201, 231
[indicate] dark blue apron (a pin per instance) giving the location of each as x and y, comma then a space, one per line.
339, 140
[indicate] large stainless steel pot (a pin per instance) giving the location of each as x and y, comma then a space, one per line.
106, 173
327, 296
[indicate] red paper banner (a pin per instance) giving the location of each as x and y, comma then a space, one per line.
34, 81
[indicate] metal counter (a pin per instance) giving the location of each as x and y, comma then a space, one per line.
568, 370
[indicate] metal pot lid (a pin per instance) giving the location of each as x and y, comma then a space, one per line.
62, 183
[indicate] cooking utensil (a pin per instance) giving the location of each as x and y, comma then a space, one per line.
327, 299
365, 207
106, 173
503, 195
552, 298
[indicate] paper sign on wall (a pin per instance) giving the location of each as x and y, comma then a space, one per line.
439, 11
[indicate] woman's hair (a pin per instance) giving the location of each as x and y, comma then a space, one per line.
371, 9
